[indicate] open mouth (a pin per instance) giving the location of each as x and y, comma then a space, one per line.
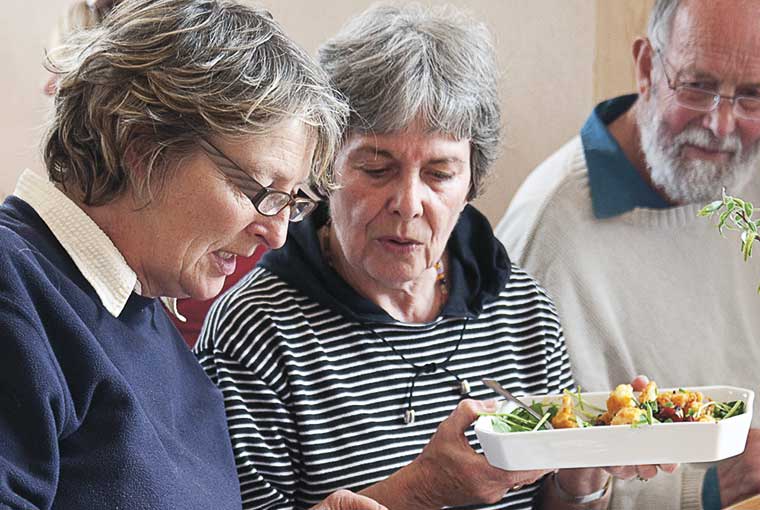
224, 261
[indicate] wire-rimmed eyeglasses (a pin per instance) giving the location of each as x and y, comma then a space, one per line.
706, 99
267, 201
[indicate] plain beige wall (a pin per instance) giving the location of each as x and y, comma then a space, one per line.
619, 22
548, 53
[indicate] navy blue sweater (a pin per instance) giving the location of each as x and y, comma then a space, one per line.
98, 411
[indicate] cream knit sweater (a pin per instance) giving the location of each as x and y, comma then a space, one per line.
650, 291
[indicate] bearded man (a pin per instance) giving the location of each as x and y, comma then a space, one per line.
609, 225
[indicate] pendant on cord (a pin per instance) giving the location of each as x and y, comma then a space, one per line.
410, 415
463, 385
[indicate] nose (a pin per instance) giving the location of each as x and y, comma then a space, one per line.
273, 229
721, 121
407, 197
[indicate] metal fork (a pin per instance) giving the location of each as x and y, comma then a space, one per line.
498, 388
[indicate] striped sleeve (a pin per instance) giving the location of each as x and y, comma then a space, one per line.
262, 429
540, 313
557, 359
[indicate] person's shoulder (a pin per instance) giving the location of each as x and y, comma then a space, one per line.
524, 290
260, 287
525, 295
17, 250
22, 232
554, 200
561, 176
12, 230
520, 278
248, 313
8, 237
26, 276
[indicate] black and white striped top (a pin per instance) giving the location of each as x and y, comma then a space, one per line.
315, 400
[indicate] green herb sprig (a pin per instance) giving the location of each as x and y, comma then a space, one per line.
735, 214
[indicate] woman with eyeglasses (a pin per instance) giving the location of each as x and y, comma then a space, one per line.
182, 134
84, 14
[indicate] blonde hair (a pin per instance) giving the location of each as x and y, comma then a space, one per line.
156, 75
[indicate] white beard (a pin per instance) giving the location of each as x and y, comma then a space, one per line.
686, 181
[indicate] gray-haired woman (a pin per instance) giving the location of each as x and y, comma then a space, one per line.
182, 133
347, 358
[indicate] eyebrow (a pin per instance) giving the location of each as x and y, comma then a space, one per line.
370, 150
231, 168
247, 183
697, 74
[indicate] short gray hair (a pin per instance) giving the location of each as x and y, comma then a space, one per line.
157, 75
397, 64
660, 23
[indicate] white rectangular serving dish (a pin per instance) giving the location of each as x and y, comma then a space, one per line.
619, 445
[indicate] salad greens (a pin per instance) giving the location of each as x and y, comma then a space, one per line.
725, 410
519, 420
588, 415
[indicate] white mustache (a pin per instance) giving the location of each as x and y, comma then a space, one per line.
704, 139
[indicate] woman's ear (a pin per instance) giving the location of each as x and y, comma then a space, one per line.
642, 59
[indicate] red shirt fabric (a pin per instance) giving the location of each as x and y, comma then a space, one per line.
195, 311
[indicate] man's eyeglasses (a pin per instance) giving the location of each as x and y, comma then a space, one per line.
706, 100
267, 201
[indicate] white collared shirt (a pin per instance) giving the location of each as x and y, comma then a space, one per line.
92, 251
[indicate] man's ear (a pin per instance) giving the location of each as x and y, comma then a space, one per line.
642, 59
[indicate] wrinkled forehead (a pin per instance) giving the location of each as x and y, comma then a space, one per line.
720, 38
414, 141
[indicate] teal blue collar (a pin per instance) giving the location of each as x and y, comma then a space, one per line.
616, 186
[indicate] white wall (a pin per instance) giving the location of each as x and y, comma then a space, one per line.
24, 30
546, 51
